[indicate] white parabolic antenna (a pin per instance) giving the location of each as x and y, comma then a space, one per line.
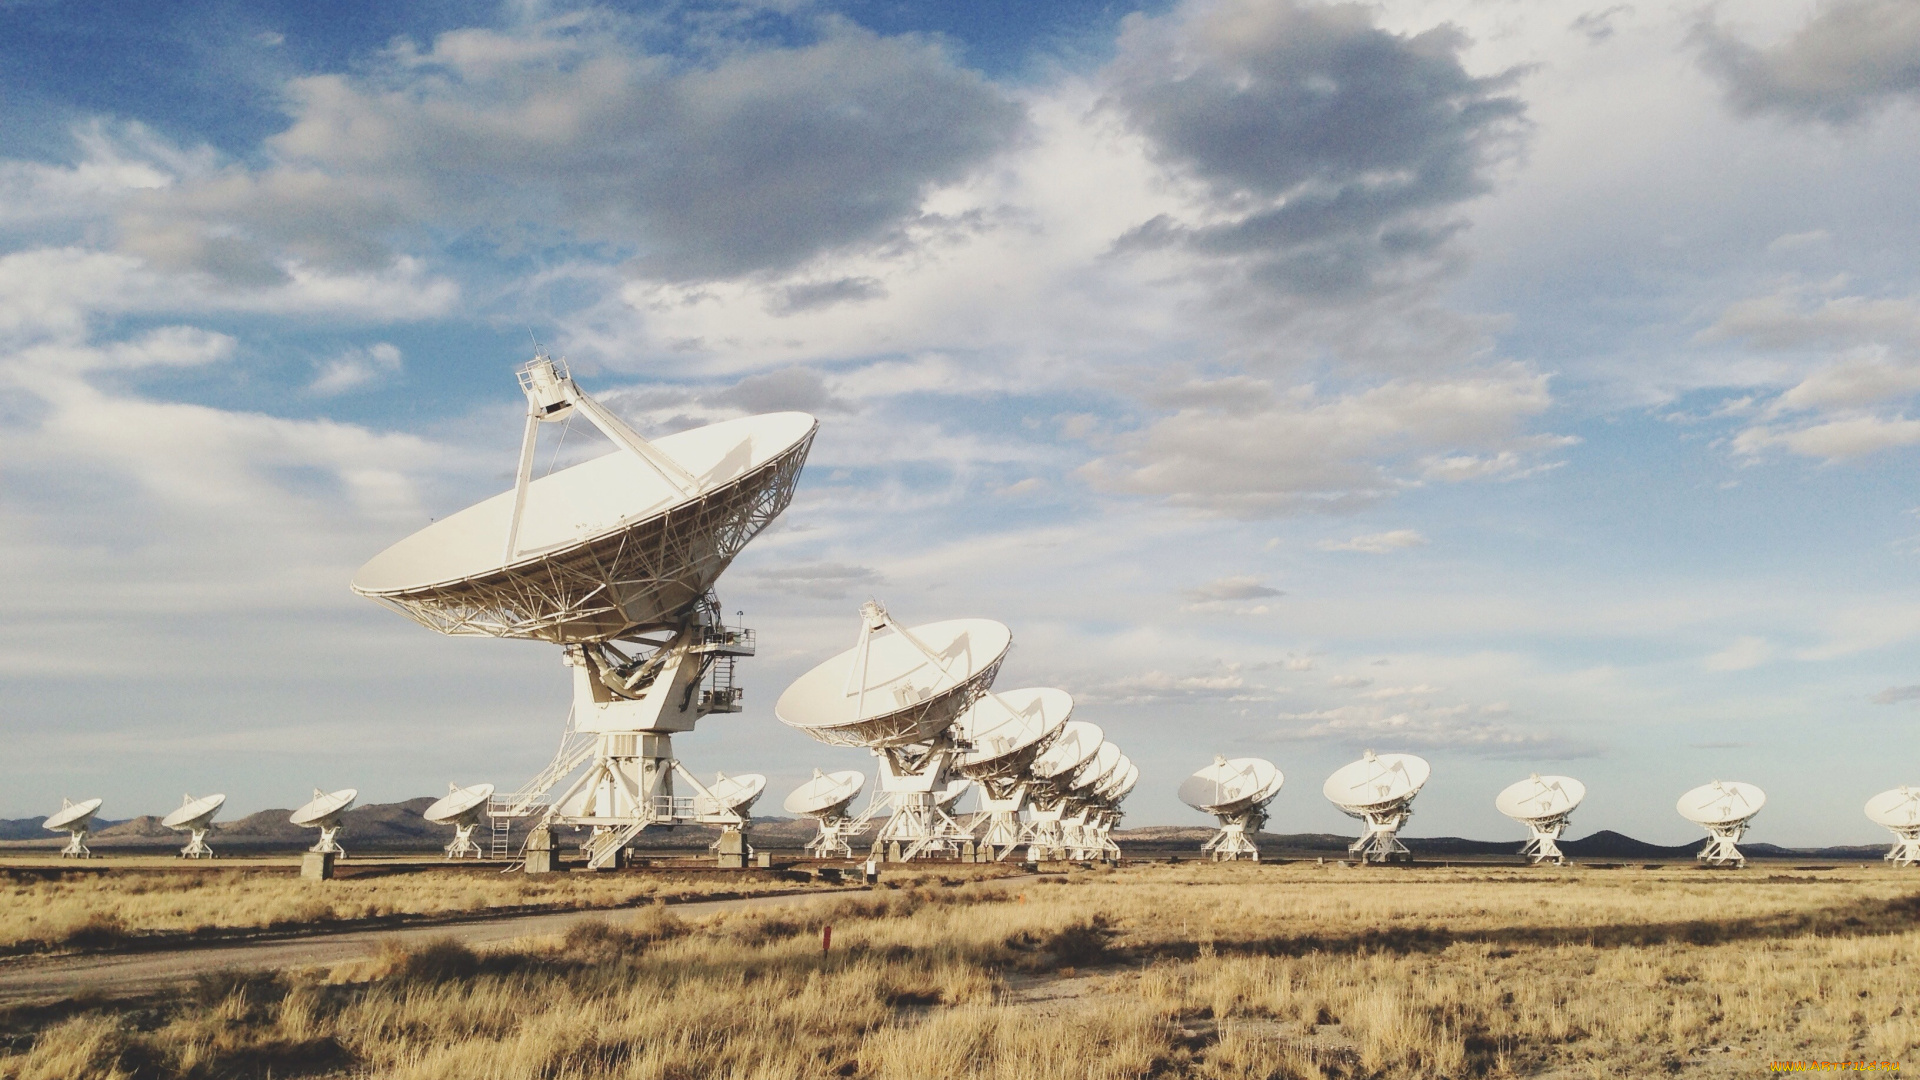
73, 815
897, 689
1378, 789
1076, 744
323, 812
1229, 786
460, 805
1543, 804
1102, 765
1377, 780
1896, 809
1236, 791
462, 808
735, 794
1723, 808
601, 549
826, 795
195, 817
1007, 729
1721, 803
1899, 810
1540, 798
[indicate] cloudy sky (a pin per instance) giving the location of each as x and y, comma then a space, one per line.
1526, 385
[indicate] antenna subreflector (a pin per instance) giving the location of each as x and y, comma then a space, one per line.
615, 559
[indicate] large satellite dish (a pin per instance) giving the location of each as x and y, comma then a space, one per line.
1076, 744
1899, 810
1724, 809
825, 798
76, 820
1376, 780
623, 548
323, 812
951, 793
1236, 791
1378, 789
731, 794
1543, 804
195, 817
1005, 730
1102, 765
826, 795
899, 688
606, 548
462, 808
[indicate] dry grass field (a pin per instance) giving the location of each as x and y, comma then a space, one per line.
1149, 971
89, 910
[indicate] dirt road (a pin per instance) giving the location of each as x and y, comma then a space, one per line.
40, 981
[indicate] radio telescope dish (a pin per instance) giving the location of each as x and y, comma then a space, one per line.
1724, 809
1899, 810
195, 817
1378, 789
323, 813
1007, 729
825, 798
1543, 804
605, 548
462, 808
1235, 791
1125, 770
731, 794
76, 820
1076, 744
896, 689
623, 548
826, 794
1104, 761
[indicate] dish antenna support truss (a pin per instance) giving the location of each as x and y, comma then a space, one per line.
1236, 793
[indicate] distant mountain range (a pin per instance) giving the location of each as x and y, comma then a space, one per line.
398, 827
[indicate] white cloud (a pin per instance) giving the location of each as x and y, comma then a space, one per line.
1378, 543
1231, 588
1261, 452
1744, 653
356, 368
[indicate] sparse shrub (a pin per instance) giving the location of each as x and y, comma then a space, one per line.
97, 931
443, 959
1079, 944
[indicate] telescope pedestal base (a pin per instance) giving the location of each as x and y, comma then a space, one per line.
197, 847
1543, 846
1906, 847
463, 844
1720, 849
1381, 842
317, 865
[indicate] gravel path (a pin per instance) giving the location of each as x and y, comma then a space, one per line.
42, 981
